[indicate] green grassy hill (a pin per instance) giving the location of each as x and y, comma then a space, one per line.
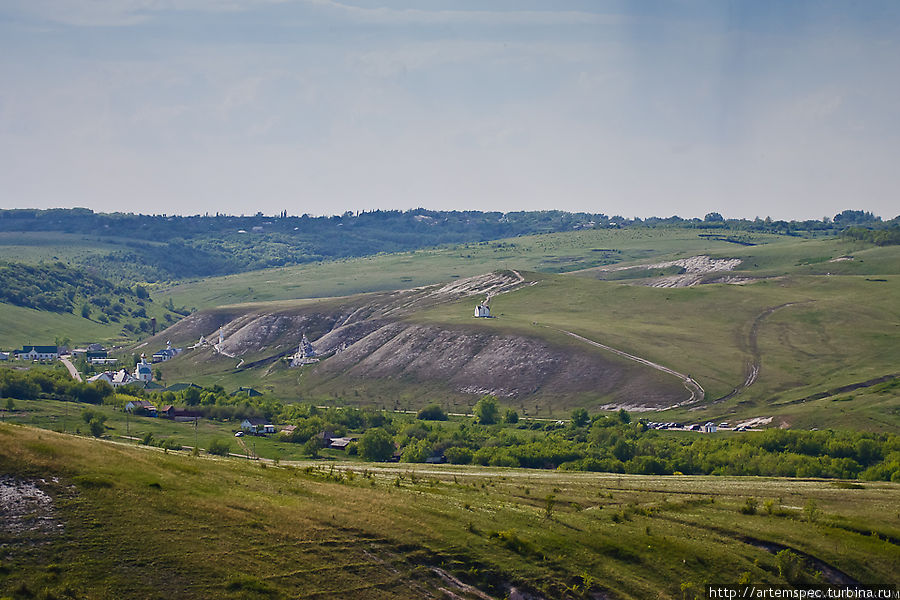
53, 301
552, 253
814, 326
99, 519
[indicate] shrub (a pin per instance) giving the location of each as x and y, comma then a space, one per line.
458, 456
749, 507
432, 412
98, 428
219, 447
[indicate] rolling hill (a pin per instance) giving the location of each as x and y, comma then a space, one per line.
784, 335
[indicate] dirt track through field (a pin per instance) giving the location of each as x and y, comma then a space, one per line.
755, 364
697, 392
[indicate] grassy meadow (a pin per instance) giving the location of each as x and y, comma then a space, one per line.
136, 522
558, 252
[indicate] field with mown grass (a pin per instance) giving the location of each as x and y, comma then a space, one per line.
134, 522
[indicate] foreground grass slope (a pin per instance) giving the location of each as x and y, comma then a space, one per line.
127, 522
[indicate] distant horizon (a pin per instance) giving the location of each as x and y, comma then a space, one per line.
277, 214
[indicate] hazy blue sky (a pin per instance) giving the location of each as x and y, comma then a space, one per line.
788, 108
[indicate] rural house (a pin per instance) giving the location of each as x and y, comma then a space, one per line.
141, 405
165, 354
37, 353
256, 425
181, 415
341, 443
482, 310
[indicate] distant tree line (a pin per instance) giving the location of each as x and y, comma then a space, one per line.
888, 236
161, 247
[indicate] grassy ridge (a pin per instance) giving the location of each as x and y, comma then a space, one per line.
558, 252
230, 529
808, 333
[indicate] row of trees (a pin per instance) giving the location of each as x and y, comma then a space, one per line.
56, 384
589, 443
200, 246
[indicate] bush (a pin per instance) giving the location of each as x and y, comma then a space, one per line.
749, 507
98, 428
432, 412
219, 447
311, 447
458, 456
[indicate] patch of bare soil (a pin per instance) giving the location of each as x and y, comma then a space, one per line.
26, 514
480, 362
695, 268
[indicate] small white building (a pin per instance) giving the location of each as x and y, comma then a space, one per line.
255, 425
143, 371
38, 353
482, 310
708, 428
114, 378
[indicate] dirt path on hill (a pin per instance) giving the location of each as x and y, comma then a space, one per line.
696, 390
753, 367
72, 370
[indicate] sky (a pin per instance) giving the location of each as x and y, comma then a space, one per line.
749, 108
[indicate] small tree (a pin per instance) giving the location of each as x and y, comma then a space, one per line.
376, 444
580, 417
486, 411
548, 507
311, 447
811, 511
624, 416
10, 405
219, 447
98, 426
511, 416
86, 310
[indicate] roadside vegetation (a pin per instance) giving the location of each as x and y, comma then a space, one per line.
614, 443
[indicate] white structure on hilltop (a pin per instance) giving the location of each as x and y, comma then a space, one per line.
483, 310
305, 354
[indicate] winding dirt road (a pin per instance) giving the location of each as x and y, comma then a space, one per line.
696, 390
